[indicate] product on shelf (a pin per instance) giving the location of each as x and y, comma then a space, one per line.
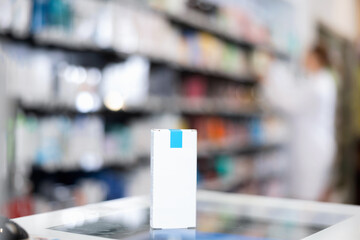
195, 87
216, 132
26, 68
163, 82
132, 84
260, 62
257, 174
131, 30
58, 142
212, 50
54, 190
15, 17
233, 20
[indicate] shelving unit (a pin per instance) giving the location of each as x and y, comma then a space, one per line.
112, 55
204, 26
244, 150
157, 106
234, 185
206, 110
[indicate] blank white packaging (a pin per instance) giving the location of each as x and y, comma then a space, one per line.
173, 174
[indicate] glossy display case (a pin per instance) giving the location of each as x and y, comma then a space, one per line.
219, 216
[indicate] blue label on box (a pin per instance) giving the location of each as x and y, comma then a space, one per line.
175, 138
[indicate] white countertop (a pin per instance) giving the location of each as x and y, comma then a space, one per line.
344, 220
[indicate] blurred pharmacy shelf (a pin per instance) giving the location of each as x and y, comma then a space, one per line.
194, 21
111, 55
193, 70
208, 107
239, 150
208, 153
235, 185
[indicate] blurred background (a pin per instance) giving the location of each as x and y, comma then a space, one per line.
84, 81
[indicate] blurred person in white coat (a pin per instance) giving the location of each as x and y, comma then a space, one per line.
309, 102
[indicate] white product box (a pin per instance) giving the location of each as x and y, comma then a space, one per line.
173, 173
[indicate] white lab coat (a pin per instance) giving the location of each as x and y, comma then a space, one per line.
310, 104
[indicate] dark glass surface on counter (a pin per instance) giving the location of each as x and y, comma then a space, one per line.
214, 221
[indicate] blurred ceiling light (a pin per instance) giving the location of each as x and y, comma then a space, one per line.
85, 102
114, 101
